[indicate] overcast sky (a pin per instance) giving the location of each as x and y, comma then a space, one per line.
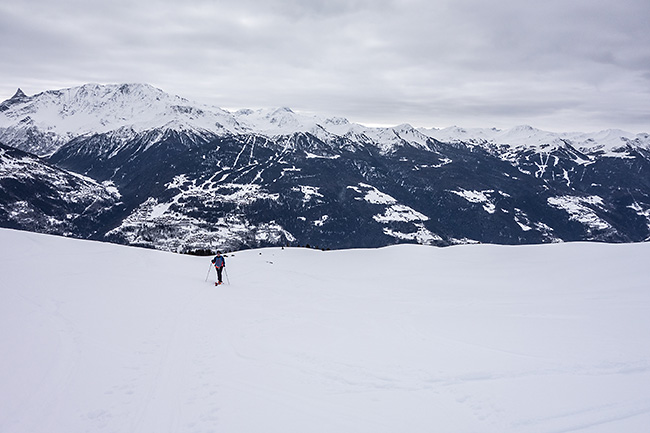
560, 65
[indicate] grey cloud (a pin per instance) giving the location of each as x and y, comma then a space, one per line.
431, 63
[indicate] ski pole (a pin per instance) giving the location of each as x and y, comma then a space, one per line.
208, 274
227, 279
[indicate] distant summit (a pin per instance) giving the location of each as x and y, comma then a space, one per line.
19, 94
18, 97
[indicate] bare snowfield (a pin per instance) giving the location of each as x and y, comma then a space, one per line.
478, 338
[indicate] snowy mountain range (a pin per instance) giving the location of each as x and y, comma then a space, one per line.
173, 174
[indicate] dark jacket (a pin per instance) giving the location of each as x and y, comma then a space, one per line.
219, 262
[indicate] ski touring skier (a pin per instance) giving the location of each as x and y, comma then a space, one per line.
219, 263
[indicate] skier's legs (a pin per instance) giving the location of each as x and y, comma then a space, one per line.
219, 271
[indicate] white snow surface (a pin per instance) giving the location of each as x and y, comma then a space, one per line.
478, 197
476, 338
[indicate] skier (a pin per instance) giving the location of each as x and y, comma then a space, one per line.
219, 263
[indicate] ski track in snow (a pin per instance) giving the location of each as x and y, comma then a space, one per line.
482, 338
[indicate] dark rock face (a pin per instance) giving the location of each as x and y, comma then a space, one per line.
37, 196
253, 190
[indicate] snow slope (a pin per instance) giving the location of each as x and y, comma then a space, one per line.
481, 338
95, 108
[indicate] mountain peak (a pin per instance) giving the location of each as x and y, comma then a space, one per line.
100, 108
19, 94
403, 127
18, 98
337, 121
524, 128
281, 110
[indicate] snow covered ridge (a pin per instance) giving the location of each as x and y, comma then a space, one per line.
93, 108
56, 116
482, 338
611, 142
